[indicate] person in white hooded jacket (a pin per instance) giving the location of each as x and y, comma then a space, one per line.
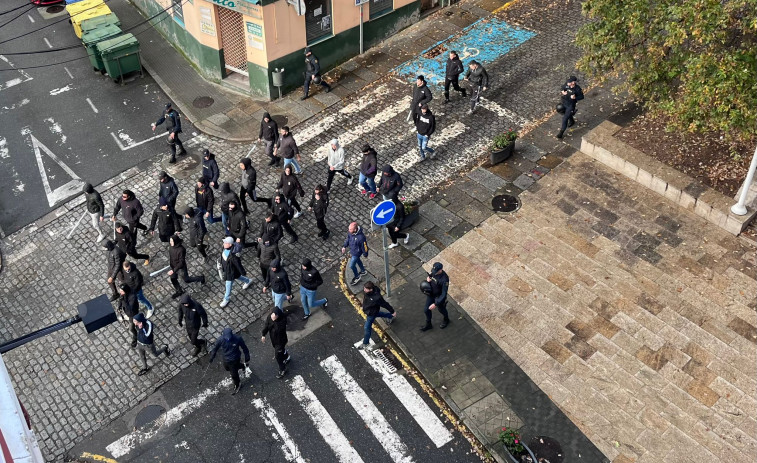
336, 163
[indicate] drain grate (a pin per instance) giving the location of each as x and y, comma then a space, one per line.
505, 203
55, 9
203, 102
389, 365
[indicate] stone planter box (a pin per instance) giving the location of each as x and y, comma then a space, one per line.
497, 156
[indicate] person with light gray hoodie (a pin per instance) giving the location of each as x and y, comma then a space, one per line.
336, 163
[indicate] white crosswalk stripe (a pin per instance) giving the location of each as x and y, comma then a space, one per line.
500, 111
373, 419
291, 452
412, 157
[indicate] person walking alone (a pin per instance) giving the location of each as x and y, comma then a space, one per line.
395, 225
230, 269
319, 204
336, 163
358, 246
452, 74
195, 315
276, 326
95, 207
479, 79
368, 169
232, 346
177, 255
269, 133
146, 341
313, 73
571, 94
173, 126
277, 280
310, 280
373, 302
287, 148
425, 124
289, 186
436, 295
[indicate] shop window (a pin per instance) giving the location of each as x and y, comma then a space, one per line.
380, 7
317, 19
178, 12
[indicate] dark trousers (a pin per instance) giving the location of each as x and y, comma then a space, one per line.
143, 348
281, 356
320, 222
567, 117
135, 255
475, 96
288, 228
330, 179
243, 192
455, 85
193, 334
133, 227
233, 368
172, 144
293, 202
113, 287
264, 270
133, 330
308, 80
185, 276
395, 234
442, 308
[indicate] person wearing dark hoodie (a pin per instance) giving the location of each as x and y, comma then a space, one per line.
168, 190
368, 169
133, 211
281, 208
395, 226
146, 341
95, 207
425, 124
358, 246
287, 148
436, 297
452, 74
248, 183
238, 225
210, 171
173, 126
230, 269
391, 183
270, 230
479, 79
373, 302
232, 346
197, 230
127, 243
269, 133
421, 95
166, 219
276, 327
195, 315
226, 196
289, 186
177, 258
319, 204
310, 280
128, 308
131, 277
115, 259
268, 251
277, 280
205, 200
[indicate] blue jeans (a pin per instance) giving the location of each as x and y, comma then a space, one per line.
242, 278
211, 220
423, 145
367, 183
225, 220
279, 299
354, 263
141, 298
369, 325
297, 168
307, 296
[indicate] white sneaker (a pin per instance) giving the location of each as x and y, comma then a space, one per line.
297, 214
393, 245
149, 313
349, 181
407, 238
100, 238
247, 285
224, 303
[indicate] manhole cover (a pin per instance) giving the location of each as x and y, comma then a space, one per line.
505, 203
203, 102
151, 416
55, 9
546, 449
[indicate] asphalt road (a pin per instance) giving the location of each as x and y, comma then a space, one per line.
65, 117
233, 428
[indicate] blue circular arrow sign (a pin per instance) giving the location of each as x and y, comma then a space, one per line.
383, 213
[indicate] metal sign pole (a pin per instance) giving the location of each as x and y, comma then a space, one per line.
361, 28
386, 262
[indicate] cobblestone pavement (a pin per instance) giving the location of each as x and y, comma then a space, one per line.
636, 317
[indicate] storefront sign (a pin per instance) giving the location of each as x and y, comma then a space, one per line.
255, 36
247, 8
206, 21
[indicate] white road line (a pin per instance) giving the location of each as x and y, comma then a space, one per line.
400, 387
371, 416
92, 105
17, 80
49, 45
412, 157
501, 112
291, 452
191, 142
68, 72
129, 442
30, 18
70, 188
341, 446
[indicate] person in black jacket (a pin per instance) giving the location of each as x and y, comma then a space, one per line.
133, 211
269, 132
95, 207
310, 280
248, 183
281, 208
205, 200
395, 225
238, 225
115, 259
128, 308
195, 315
167, 220
270, 230
391, 183
276, 326
230, 269
571, 94
145, 341
313, 73
131, 277
319, 204
173, 126
289, 186
168, 190
372, 304
277, 280
425, 124
210, 170
479, 79
177, 258
232, 346
368, 169
437, 299
268, 251
452, 74
421, 95
226, 196
127, 242
197, 230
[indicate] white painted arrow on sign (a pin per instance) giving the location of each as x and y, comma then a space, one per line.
62, 192
383, 213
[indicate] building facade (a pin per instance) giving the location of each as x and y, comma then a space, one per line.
242, 42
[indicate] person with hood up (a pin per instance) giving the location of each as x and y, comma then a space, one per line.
133, 211
287, 147
115, 259
277, 280
230, 269
95, 207
197, 230
571, 93
425, 124
368, 169
373, 301
276, 326
281, 209
479, 80
248, 183
452, 74
238, 225
269, 133
395, 225
232, 346
205, 200
168, 190
437, 297
421, 95
173, 126
127, 243
210, 170
319, 203
128, 308
310, 280
194, 313
289, 186
358, 245
145, 341
131, 277
177, 255
268, 251
167, 220
391, 183
336, 163
270, 230
226, 196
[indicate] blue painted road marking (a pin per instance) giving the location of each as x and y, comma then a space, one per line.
383, 213
485, 41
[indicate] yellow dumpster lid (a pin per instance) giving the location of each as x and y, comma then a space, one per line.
98, 10
78, 7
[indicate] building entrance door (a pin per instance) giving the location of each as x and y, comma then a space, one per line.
231, 27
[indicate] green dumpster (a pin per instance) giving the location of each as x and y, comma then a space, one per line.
120, 56
92, 37
97, 21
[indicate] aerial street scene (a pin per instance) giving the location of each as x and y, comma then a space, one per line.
380, 231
